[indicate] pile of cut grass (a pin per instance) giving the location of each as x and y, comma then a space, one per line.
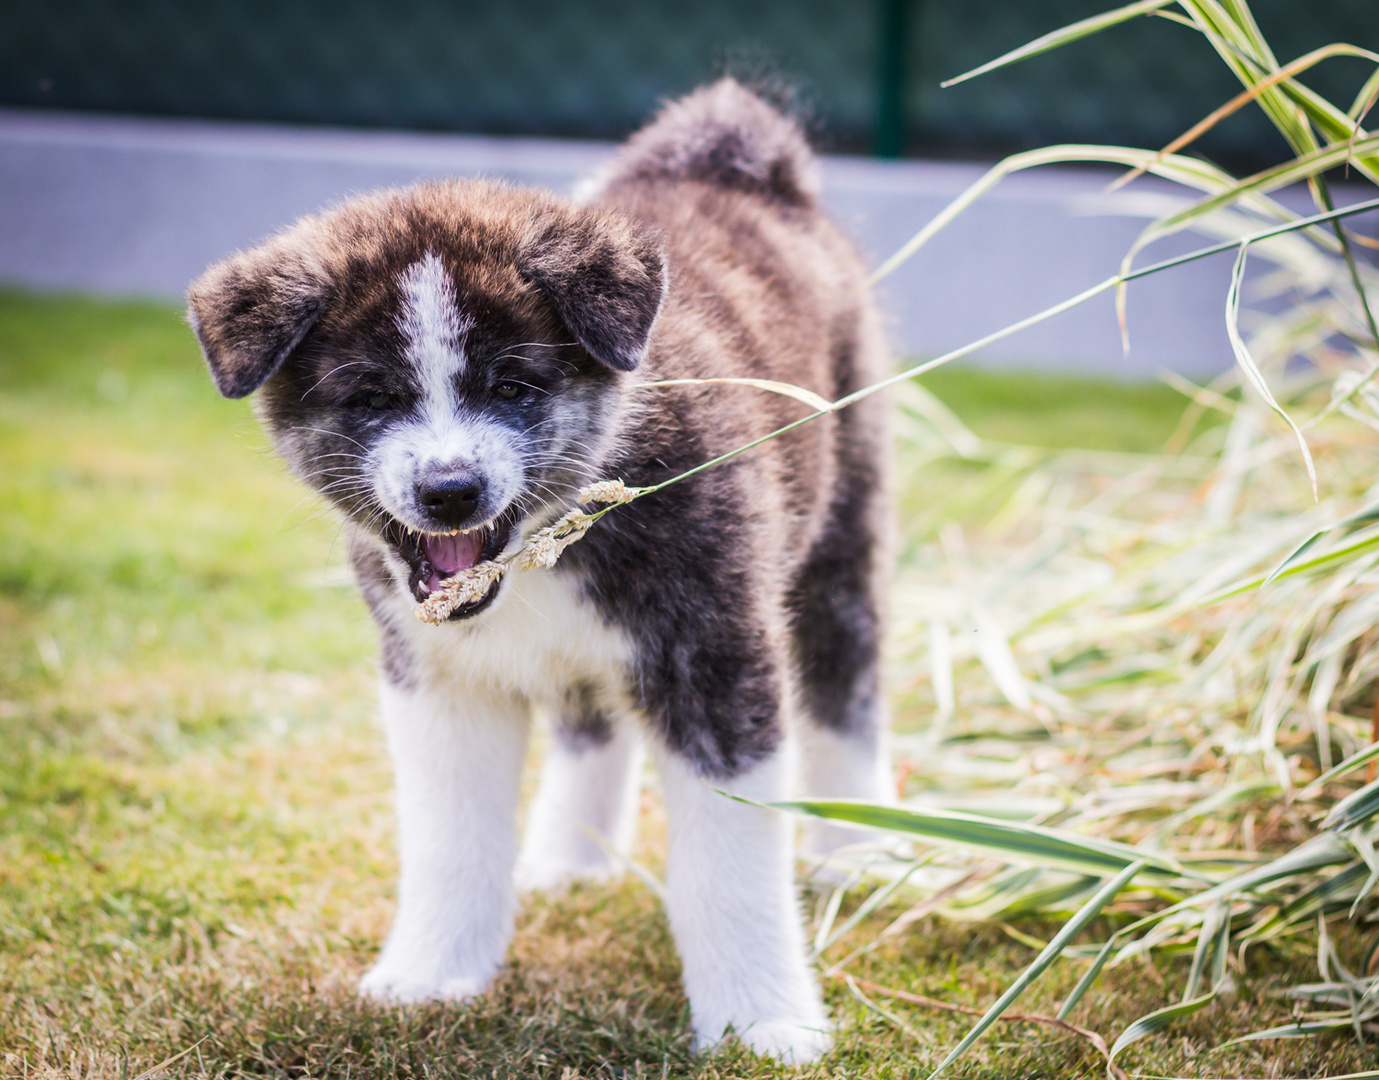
195, 824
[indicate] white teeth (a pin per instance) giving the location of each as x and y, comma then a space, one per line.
457, 532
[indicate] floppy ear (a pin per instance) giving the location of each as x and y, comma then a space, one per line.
606, 277
251, 310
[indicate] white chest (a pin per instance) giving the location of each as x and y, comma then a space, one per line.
539, 639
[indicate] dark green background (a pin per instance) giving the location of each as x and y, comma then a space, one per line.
559, 67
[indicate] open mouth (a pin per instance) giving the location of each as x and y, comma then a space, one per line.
435, 556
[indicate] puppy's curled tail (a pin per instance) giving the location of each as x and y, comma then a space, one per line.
721, 134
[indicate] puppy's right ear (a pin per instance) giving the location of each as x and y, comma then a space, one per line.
251, 310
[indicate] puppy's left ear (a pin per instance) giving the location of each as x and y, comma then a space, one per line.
606, 277
251, 310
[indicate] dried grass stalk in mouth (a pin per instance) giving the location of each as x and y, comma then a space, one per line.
465, 587
546, 545
541, 552
544, 548
605, 493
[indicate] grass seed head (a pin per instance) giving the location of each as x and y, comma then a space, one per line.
606, 493
465, 587
543, 550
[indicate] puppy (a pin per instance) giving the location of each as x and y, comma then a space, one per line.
448, 365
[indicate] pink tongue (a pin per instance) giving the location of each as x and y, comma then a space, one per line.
450, 554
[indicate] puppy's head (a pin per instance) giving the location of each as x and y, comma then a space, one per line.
443, 363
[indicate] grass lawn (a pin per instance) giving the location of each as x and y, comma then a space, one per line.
195, 825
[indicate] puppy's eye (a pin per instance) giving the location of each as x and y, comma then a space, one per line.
373, 401
507, 390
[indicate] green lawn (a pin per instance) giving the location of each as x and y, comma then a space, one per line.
195, 830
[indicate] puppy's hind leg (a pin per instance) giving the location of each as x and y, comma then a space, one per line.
836, 624
585, 812
732, 907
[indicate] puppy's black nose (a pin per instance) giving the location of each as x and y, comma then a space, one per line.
451, 498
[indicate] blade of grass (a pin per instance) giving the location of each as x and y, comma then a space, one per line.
1036, 844
1012, 1018
1158, 1020
1218, 918
1350, 523
1350, 764
1252, 373
1246, 96
799, 393
1323, 850
1058, 38
1052, 952
1355, 809
1299, 1030
1088, 978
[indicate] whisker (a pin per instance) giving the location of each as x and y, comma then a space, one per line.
332, 371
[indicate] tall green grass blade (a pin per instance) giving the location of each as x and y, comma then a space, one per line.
1290, 172
1249, 94
1036, 844
1349, 524
1058, 38
1323, 850
1355, 809
1350, 764
1325, 895
1218, 918
1365, 890
1052, 951
872, 902
1300, 1030
1088, 978
1365, 99
1252, 373
1341, 554
1158, 1020
1183, 170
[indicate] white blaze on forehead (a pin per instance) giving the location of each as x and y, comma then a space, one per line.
431, 323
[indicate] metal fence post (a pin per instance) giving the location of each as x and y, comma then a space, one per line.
893, 25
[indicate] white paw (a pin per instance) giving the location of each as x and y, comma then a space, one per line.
393, 987
788, 1042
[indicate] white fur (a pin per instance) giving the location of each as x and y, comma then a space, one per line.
458, 763
586, 804
440, 436
457, 745
732, 908
445, 440
432, 326
839, 765
538, 638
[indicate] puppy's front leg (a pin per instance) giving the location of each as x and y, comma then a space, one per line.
458, 763
732, 908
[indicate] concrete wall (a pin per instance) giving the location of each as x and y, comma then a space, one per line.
133, 207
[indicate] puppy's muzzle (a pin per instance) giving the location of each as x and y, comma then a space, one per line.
451, 499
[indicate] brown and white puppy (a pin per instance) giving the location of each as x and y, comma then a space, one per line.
448, 365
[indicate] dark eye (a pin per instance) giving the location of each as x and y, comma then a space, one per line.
507, 390
373, 400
